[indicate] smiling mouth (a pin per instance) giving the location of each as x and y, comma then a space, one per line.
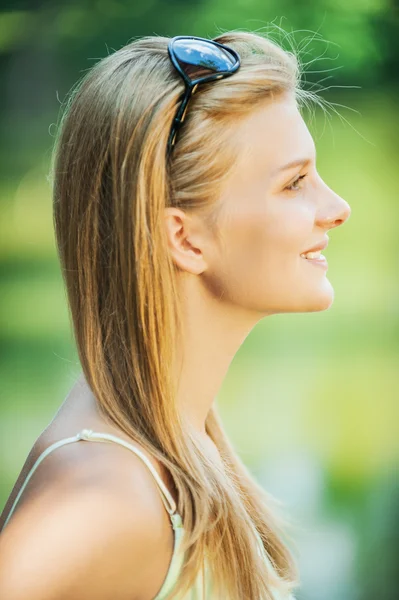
318, 260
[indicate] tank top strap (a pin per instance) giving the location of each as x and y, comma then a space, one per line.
90, 435
94, 436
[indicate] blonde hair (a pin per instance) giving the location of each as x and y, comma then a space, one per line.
111, 183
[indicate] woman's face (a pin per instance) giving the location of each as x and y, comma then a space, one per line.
265, 226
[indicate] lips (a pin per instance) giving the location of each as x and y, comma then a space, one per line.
318, 247
312, 255
317, 262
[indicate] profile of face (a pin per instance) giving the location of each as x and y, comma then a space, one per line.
267, 218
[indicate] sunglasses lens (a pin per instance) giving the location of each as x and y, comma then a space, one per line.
198, 58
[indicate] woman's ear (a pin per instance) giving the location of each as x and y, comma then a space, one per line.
186, 240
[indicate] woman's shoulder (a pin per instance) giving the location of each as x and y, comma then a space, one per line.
59, 461
93, 539
91, 511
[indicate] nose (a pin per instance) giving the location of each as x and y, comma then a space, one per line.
335, 212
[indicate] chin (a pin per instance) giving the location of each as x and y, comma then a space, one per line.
313, 300
320, 307
321, 300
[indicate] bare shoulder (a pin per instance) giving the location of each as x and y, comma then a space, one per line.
101, 534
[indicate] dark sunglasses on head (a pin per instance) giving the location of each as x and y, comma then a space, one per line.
198, 60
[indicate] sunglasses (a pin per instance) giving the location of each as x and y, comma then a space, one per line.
198, 60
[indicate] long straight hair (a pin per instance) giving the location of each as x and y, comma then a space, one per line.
111, 183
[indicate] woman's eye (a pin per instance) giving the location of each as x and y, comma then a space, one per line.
291, 187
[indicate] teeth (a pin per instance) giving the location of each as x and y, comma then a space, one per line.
310, 255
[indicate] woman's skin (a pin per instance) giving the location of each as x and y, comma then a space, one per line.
257, 270
228, 285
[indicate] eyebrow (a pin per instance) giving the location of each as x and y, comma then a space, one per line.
292, 164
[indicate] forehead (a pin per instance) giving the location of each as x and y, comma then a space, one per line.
273, 136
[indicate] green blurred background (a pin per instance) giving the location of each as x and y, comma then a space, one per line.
311, 400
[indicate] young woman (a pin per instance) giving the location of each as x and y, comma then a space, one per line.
174, 240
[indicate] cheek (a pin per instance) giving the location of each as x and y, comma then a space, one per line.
261, 241
259, 254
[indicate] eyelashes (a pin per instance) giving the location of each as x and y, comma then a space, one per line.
291, 188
